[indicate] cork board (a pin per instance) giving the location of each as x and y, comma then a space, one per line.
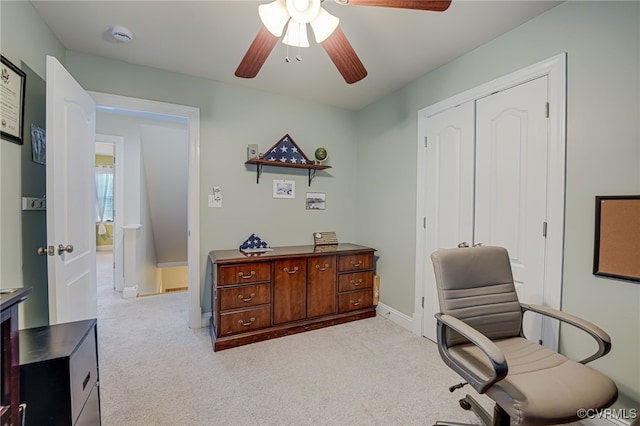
617, 237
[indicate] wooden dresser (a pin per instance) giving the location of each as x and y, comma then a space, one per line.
288, 290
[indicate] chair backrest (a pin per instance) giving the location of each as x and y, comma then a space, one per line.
475, 285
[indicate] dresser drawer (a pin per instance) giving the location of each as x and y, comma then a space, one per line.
83, 373
356, 300
244, 273
245, 320
355, 262
356, 281
248, 295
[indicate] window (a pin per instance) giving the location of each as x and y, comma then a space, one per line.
104, 194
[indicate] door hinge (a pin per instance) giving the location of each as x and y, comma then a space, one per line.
546, 110
423, 301
544, 229
425, 141
424, 222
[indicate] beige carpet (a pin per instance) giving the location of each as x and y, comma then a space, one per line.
154, 370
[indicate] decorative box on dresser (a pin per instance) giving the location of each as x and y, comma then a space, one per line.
288, 290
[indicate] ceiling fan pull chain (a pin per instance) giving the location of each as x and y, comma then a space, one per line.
298, 57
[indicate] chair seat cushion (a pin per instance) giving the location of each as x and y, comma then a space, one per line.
542, 386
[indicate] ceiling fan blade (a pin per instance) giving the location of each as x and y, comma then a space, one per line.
257, 54
433, 5
344, 57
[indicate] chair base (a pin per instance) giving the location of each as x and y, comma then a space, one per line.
500, 417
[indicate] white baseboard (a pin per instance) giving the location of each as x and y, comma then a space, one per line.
130, 292
403, 320
104, 248
206, 318
171, 264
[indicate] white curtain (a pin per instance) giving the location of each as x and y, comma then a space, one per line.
104, 187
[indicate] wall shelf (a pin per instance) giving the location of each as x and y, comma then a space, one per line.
312, 168
286, 153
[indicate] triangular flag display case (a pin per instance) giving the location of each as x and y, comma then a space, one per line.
286, 153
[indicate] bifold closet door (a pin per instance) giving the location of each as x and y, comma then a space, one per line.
511, 184
486, 183
450, 177
449, 188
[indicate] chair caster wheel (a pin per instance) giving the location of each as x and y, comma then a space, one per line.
465, 404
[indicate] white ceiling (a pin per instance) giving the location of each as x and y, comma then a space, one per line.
209, 38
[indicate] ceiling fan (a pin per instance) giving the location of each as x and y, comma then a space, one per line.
294, 15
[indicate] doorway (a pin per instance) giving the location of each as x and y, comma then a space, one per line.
152, 110
108, 239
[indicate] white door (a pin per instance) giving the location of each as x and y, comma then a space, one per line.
486, 184
70, 197
449, 192
511, 185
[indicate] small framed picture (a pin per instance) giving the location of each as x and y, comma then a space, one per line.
315, 201
38, 144
284, 188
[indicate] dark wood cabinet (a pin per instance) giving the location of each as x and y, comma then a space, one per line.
288, 290
59, 374
10, 391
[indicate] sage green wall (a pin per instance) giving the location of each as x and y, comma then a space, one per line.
602, 40
231, 117
25, 41
371, 189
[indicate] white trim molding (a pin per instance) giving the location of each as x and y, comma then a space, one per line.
191, 116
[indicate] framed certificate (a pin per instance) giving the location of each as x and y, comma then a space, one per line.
12, 90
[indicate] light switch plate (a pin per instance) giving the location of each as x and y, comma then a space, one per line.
213, 202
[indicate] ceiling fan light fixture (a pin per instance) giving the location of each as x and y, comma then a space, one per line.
303, 11
296, 35
274, 16
324, 25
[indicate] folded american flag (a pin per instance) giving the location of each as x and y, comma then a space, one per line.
255, 243
286, 151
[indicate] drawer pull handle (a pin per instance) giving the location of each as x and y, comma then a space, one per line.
295, 269
356, 303
246, 299
246, 277
322, 268
22, 409
356, 264
356, 283
86, 380
247, 324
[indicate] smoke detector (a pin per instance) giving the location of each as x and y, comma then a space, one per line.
122, 34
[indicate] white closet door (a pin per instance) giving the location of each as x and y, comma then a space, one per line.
511, 185
449, 192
